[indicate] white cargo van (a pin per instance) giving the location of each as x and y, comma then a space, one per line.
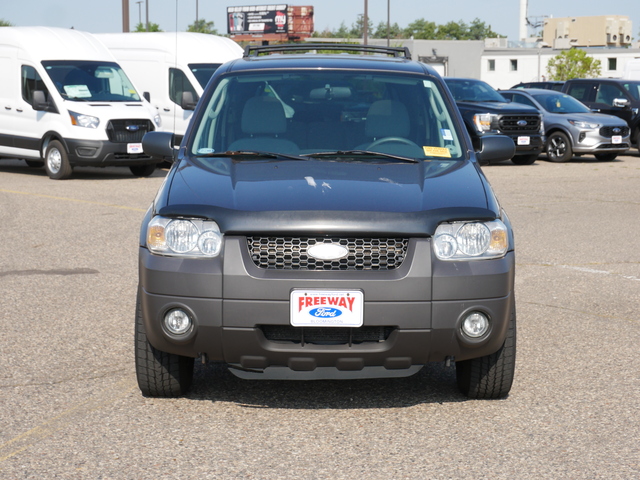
171, 67
64, 101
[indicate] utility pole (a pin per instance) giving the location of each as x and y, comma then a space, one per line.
365, 25
388, 21
139, 12
147, 8
125, 16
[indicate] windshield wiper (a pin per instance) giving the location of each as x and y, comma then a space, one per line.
351, 153
251, 154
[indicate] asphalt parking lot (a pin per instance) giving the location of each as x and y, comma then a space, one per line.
70, 406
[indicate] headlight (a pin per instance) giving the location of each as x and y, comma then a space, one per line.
184, 237
471, 240
483, 121
157, 119
581, 124
81, 120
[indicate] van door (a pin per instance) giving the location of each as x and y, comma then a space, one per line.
178, 84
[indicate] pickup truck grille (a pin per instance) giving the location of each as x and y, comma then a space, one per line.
608, 132
128, 131
510, 123
290, 253
325, 335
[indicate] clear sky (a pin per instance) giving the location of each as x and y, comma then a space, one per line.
99, 16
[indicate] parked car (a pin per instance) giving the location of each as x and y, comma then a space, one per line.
326, 218
548, 85
66, 102
486, 112
572, 128
612, 96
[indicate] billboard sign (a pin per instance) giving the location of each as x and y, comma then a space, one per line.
257, 20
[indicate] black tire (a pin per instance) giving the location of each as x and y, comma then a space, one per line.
142, 170
34, 163
605, 157
524, 159
56, 161
490, 376
159, 374
558, 147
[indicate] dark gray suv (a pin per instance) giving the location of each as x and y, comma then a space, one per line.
326, 218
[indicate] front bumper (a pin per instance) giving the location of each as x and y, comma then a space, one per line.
235, 304
103, 153
590, 141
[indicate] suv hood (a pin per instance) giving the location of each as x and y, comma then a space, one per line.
373, 197
498, 107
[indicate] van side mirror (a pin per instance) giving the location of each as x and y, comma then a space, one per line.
147, 96
187, 102
620, 102
40, 103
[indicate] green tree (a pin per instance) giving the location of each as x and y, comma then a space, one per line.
381, 31
4, 23
202, 26
421, 29
357, 29
573, 63
452, 31
142, 27
479, 31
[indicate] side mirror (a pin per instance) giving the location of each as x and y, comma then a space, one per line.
40, 103
159, 145
147, 96
620, 102
187, 102
495, 148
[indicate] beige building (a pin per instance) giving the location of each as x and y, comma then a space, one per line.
597, 31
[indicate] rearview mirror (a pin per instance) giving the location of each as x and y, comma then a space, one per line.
159, 145
620, 102
187, 102
495, 148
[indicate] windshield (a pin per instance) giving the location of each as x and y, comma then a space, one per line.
87, 81
467, 90
336, 115
560, 103
633, 88
203, 71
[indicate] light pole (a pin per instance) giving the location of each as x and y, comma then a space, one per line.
139, 12
146, 3
388, 20
365, 25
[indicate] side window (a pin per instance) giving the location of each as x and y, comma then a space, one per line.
30, 81
524, 100
580, 91
179, 83
607, 93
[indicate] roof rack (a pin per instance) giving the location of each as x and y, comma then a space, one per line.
256, 50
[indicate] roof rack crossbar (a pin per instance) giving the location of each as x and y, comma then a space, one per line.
256, 50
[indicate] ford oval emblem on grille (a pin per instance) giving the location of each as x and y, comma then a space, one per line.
522, 123
616, 130
327, 251
133, 128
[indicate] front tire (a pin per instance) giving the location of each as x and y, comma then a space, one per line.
142, 170
159, 374
56, 161
490, 376
525, 159
606, 157
558, 147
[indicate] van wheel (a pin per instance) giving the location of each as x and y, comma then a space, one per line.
159, 374
559, 147
490, 376
142, 170
56, 161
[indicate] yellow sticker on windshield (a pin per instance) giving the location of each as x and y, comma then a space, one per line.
437, 152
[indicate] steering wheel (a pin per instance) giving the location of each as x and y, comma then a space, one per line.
383, 140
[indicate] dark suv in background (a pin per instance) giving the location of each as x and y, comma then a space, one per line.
486, 112
613, 96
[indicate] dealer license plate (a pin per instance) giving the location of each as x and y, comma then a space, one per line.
616, 139
327, 308
134, 148
524, 140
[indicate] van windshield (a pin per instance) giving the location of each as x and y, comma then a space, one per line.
203, 71
338, 114
87, 81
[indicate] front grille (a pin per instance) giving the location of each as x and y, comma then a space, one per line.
290, 253
118, 132
509, 123
325, 335
608, 132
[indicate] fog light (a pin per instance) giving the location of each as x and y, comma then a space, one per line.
177, 322
475, 325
